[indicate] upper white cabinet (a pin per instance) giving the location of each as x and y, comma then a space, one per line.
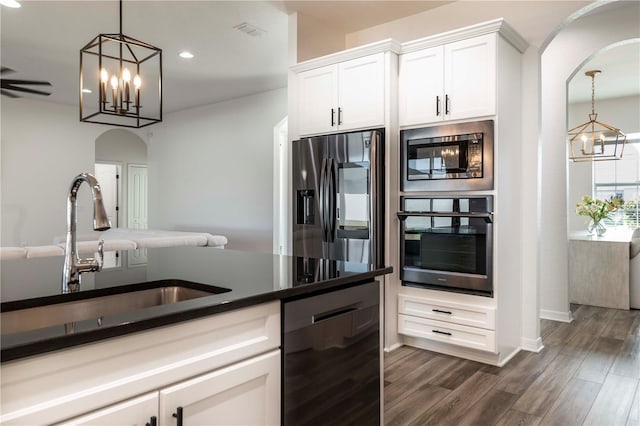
449, 82
343, 96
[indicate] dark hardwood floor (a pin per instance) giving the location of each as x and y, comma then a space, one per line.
587, 374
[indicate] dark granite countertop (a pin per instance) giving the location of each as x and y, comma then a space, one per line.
250, 277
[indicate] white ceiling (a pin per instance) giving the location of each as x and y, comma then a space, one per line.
41, 41
620, 74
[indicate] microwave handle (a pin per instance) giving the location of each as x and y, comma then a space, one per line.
488, 217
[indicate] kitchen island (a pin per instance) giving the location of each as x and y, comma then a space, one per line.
154, 359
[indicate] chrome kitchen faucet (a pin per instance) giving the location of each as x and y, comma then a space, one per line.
73, 265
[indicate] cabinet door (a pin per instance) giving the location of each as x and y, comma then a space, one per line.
361, 92
318, 100
421, 86
245, 393
470, 77
134, 412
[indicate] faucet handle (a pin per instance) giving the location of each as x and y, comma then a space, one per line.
100, 258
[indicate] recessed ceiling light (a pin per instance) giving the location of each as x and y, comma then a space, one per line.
10, 3
86, 91
186, 55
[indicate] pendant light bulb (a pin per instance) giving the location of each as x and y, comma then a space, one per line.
114, 82
104, 75
137, 82
126, 75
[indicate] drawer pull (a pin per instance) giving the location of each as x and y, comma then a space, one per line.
442, 312
153, 421
178, 416
441, 332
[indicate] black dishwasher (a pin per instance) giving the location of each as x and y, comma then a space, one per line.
331, 358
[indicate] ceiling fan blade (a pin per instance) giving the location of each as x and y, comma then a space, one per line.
7, 93
16, 85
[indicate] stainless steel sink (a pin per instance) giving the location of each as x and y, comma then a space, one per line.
126, 299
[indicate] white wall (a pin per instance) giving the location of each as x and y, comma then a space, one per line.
623, 113
210, 169
316, 38
534, 20
120, 145
43, 147
562, 56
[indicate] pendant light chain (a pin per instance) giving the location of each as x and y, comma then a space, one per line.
593, 93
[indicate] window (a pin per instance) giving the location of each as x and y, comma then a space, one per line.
621, 178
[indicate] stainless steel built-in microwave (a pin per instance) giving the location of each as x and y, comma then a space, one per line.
448, 158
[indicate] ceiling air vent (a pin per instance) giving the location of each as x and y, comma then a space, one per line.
252, 30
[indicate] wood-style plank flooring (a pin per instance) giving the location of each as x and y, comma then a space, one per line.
587, 374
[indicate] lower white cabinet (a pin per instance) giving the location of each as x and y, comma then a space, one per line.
245, 393
142, 411
454, 322
461, 335
136, 411
222, 369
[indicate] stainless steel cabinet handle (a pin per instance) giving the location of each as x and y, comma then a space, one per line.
441, 332
339, 116
333, 115
488, 217
446, 104
438, 106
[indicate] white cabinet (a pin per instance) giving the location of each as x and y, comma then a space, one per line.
246, 393
449, 82
344, 96
221, 362
448, 321
217, 398
137, 411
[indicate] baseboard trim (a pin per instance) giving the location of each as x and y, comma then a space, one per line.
393, 347
556, 315
531, 345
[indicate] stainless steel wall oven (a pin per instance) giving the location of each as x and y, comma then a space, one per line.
446, 243
454, 157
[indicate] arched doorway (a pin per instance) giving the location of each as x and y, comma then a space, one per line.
121, 169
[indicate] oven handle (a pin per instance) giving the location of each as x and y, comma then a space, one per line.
488, 217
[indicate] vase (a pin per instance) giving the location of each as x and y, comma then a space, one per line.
596, 227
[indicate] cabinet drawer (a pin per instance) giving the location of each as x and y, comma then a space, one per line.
452, 312
470, 337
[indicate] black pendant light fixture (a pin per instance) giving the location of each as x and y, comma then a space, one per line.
120, 81
595, 140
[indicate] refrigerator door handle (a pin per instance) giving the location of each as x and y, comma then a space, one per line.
323, 198
331, 195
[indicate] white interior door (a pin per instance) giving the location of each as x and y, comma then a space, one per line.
137, 177
108, 176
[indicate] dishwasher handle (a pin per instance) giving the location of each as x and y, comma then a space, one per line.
314, 309
316, 318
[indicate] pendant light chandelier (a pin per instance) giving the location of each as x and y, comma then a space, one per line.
594, 140
120, 81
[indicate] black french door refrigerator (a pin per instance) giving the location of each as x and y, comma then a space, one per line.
338, 207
